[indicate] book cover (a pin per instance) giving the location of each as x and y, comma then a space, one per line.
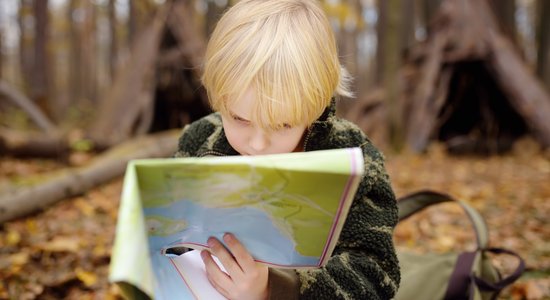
286, 209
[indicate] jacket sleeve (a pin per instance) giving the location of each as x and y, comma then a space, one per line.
283, 284
183, 145
194, 135
364, 264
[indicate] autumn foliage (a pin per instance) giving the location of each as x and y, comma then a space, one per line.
64, 252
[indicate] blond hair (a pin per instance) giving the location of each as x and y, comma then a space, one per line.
285, 50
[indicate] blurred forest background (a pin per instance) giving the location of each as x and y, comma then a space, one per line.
456, 93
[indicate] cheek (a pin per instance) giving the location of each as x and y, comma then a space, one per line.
290, 140
235, 136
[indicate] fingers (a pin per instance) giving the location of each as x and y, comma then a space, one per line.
245, 278
242, 256
225, 257
216, 276
218, 287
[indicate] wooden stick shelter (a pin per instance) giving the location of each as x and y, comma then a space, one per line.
159, 75
466, 85
467, 45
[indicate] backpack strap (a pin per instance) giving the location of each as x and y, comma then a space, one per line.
413, 203
416, 202
460, 278
496, 287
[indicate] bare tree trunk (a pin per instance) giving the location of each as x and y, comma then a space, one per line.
381, 40
113, 47
213, 14
347, 45
543, 38
24, 200
1, 51
128, 105
392, 62
350, 37
24, 144
89, 50
191, 44
140, 13
75, 54
430, 10
406, 32
83, 80
505, 11
41, 83
26, 32
132, 22
408, 25
529, 97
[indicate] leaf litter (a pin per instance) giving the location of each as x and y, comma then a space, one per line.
64, 251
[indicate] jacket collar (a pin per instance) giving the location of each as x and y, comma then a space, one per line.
329, 112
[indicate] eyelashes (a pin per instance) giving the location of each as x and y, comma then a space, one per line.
284, 126
241, 120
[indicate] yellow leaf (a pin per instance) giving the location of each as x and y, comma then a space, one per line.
13, 238
100, 251
88, 278
31, 226
445, 243
19, 258
86, 208
61, 244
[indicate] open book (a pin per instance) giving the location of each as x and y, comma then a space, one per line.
286, 209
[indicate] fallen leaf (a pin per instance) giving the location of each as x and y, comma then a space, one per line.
19, 258
61, 244
13, 238
86, 208
31, 226
88, 278
444, 243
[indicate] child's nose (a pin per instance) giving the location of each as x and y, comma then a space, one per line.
259, 140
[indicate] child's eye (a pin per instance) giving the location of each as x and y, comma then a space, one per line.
240, 120
283, 126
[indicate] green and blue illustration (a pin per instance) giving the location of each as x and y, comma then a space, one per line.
287, 210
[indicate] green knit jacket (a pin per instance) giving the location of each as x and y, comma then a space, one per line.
364, 263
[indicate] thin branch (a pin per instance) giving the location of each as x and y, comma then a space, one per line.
16, 97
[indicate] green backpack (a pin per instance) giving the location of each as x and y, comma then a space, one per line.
465, 275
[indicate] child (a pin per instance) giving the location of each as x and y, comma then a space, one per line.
271, 71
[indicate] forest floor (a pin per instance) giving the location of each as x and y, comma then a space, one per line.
63, 252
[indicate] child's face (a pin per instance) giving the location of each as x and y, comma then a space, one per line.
250, 139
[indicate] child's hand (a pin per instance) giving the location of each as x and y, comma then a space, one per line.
246, 280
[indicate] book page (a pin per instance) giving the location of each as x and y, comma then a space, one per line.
286, 215
192, 270
286, 209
